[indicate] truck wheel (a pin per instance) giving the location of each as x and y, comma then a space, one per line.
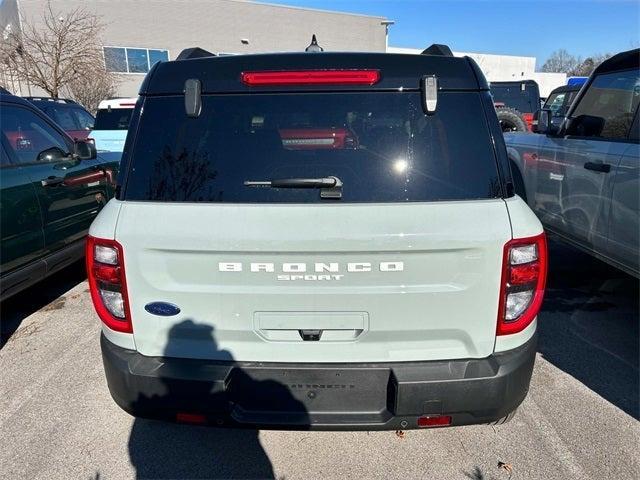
511, 120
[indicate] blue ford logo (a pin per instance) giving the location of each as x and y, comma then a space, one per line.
162, 309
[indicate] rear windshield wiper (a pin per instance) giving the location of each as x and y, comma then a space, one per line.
330, 187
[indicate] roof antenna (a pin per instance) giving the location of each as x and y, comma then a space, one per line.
313, 46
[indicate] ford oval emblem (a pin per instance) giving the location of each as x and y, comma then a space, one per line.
162, 309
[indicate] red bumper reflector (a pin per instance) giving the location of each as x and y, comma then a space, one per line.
311, 77
434, 421
193, 418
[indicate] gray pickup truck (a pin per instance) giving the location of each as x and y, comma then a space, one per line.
581, 178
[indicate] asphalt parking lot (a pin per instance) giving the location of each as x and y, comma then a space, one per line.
580, 419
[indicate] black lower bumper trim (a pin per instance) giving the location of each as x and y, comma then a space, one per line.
375, 396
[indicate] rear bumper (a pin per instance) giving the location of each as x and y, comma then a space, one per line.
375, 396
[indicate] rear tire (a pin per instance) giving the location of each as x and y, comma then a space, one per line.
511, 120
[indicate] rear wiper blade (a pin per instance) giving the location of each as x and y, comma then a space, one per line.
331, 187
325, 182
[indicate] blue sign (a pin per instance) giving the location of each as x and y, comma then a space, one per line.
576, 81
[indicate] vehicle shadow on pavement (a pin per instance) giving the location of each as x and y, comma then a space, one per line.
478, 474
164, 450
50, 291
588, 326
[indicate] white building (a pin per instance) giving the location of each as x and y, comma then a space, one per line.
158, 30
499, 68
138, 33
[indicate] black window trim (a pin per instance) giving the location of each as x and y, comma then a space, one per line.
5, 157
634, 131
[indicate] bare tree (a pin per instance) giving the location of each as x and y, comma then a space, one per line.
560, 61
62, 51
94, 85
585, 68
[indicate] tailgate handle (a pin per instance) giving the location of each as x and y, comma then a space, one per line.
311, 326
310, 335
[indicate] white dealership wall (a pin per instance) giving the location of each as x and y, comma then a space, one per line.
506, 67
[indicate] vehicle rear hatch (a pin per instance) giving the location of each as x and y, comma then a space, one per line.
402, 263
110, 128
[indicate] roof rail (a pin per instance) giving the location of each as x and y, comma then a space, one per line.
51, 99
438, 49
194, 52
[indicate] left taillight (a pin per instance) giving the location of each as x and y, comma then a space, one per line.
107, 283
524, 274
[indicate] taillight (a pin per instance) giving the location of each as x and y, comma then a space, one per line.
311, 77
528, 118
107, 283
524, 273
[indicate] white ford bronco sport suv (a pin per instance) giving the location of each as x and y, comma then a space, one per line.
317, 240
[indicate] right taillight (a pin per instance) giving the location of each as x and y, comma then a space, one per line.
524, 273
107, 283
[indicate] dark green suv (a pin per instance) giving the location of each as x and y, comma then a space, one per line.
51, 189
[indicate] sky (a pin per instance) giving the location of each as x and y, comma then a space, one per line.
515, 27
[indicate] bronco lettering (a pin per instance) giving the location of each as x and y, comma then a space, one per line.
320, 267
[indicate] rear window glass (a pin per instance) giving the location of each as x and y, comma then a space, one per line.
513, 95
380, 145
113, 119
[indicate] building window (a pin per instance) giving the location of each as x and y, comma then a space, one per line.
132, 60
115, 59
156, 56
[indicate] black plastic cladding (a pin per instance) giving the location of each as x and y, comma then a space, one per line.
222, 74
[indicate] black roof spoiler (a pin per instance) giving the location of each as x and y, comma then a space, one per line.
400, 70
194, 52
620, 61
438, 49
